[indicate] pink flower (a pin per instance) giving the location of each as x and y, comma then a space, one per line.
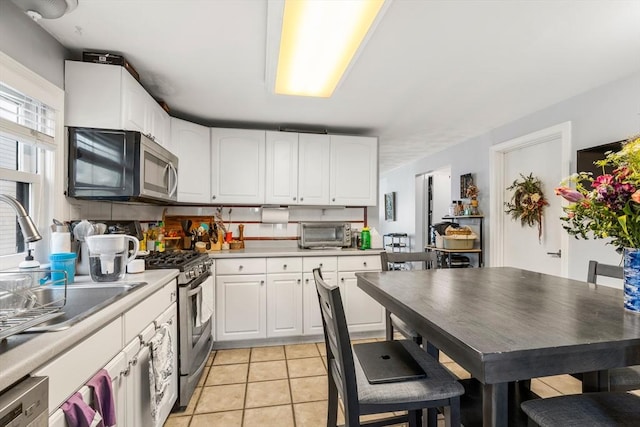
569, 194
636, 196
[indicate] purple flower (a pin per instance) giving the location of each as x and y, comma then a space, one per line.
569, 194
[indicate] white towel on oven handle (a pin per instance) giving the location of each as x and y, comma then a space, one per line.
205, 302
161, 367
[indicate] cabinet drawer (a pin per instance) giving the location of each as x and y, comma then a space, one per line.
325, 263
241, 266
145, 312
69, 371
284, 265
359, 263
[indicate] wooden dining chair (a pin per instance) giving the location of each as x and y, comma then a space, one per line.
347, 378
391, 260
587, 409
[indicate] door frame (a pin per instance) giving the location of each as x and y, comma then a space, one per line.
497, 154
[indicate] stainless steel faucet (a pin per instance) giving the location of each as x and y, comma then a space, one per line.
28, 227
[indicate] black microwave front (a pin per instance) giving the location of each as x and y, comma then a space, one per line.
119, 165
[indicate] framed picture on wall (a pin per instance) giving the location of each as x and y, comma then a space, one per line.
390, 206
465, 181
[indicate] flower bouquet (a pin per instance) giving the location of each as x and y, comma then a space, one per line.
607, 206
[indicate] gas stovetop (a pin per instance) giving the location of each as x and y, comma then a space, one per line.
191, 264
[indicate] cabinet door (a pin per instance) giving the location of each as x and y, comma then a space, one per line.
312, 323
117, 368
313, 169
241, 307
92, 95
363, 312
170, 317
282, 168
137, 386
190, 142
160, 128
284, 304
237, 166
135, 100
354, 170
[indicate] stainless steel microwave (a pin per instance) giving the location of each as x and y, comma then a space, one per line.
120, 165
324, 235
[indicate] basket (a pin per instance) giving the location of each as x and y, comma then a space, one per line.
459, 242
461, 231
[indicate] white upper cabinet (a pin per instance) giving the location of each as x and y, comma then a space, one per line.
107, 96
282, 168
354, 170
313, 169
237, 166
191, 143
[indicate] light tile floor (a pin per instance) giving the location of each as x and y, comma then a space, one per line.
286, 386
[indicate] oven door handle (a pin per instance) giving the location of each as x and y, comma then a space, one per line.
195, 291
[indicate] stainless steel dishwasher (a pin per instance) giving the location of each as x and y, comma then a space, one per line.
25, 404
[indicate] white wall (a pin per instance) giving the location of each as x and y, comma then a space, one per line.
605, 114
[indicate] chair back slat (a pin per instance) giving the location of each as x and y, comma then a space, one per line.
396, 257
598, 269
337, 341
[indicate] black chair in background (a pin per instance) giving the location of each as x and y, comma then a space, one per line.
620, 379
346, 377
395, 258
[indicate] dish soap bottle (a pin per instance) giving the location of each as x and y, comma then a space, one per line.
365, 238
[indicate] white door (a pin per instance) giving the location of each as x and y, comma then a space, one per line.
241, 307
282, 168
354, 170
284, 304
313, 169
545, 154
190, 142
363, 312
237, 166
312, 317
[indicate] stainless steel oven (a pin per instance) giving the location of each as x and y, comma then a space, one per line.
195, 314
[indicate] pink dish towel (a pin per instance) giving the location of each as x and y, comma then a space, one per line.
79, 414
102, 394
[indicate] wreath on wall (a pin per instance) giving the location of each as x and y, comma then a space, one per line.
527, 202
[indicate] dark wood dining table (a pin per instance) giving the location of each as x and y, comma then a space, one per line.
505, 324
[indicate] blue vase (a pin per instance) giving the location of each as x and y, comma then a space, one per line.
632, 279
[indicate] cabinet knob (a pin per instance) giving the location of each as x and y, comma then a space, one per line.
173, 295
301, 198
342, 279
134, 361
125, 373
240, 267
213, 197
306, 281
294, 199
364, 263
320, 265
261, 282
333, 200
299, 281
284, 266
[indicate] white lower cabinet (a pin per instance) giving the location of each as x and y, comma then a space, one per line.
241, 307
276, 297
284, 304
128, 366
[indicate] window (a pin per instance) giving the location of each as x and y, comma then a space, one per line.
28, 131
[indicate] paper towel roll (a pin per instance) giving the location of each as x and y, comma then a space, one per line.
60, 242
275, 215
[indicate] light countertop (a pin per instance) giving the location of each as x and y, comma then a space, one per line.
290, 252
23, 353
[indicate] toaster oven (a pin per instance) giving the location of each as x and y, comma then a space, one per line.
324, 235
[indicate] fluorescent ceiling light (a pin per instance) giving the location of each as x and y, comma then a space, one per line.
318, 41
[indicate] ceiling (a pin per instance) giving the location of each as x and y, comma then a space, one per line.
433, 73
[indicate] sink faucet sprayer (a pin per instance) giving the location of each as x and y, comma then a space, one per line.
28, 227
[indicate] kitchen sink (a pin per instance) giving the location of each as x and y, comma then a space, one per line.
83, 300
